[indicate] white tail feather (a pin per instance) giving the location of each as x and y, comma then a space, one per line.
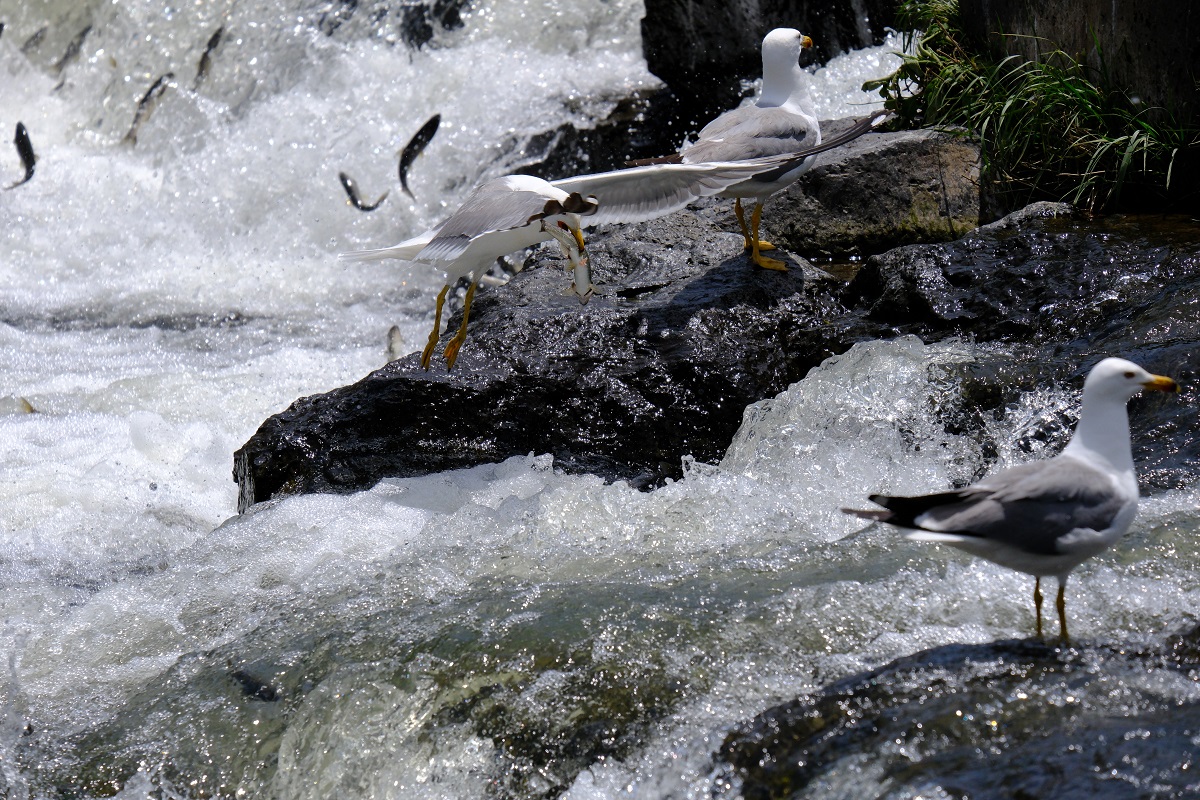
406, 250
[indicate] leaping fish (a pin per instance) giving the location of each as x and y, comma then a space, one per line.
147, 105
72, 51
414, 148
206, 59
355, 199
25, 151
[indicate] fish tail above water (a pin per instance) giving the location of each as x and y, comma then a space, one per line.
416, 145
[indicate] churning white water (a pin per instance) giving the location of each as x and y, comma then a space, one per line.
159, 299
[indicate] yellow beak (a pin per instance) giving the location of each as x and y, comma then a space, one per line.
805, 42
579, 238
1161, 383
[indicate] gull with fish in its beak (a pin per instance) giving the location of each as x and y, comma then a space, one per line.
513, 212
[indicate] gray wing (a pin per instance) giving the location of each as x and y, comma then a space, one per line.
641, 193
491, 207
654, 190
752, 132
1030, 506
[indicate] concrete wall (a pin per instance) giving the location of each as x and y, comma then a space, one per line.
1150, 48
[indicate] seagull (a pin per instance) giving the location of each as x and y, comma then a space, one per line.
513, 212
1046, 517
498, 217
782, 120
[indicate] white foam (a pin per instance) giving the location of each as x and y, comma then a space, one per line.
836, 88
160, 301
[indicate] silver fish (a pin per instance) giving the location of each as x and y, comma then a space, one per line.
147, 105
206, 58
395, 343
573, 248
73, 50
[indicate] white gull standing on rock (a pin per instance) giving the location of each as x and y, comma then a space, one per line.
782, 120
1047, 517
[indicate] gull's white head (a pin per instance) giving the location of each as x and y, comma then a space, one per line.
1119, 380
781, 64
1102, 434
784, 44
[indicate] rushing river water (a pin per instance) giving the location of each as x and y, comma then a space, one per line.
502, 631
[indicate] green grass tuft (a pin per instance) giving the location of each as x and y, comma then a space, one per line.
1051, 129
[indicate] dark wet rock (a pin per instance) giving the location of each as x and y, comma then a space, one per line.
1012, 719
1068, 290
1043, 275
682, 335
878, 192
642, 126
414, 23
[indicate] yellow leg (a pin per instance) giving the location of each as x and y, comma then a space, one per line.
756, 245
1061, 605
1037, 603
741, 218
437, 327
451, 352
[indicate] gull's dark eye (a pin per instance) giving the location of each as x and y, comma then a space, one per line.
1129, 374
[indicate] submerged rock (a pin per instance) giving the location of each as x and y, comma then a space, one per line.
1018, 719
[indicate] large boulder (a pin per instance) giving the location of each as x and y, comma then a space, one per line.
682, 335
877, 192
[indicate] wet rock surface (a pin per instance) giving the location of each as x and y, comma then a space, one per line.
1012, 719
684, 333
878, 192
1067, 290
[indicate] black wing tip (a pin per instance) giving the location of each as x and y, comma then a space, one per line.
903, 511
674, 158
